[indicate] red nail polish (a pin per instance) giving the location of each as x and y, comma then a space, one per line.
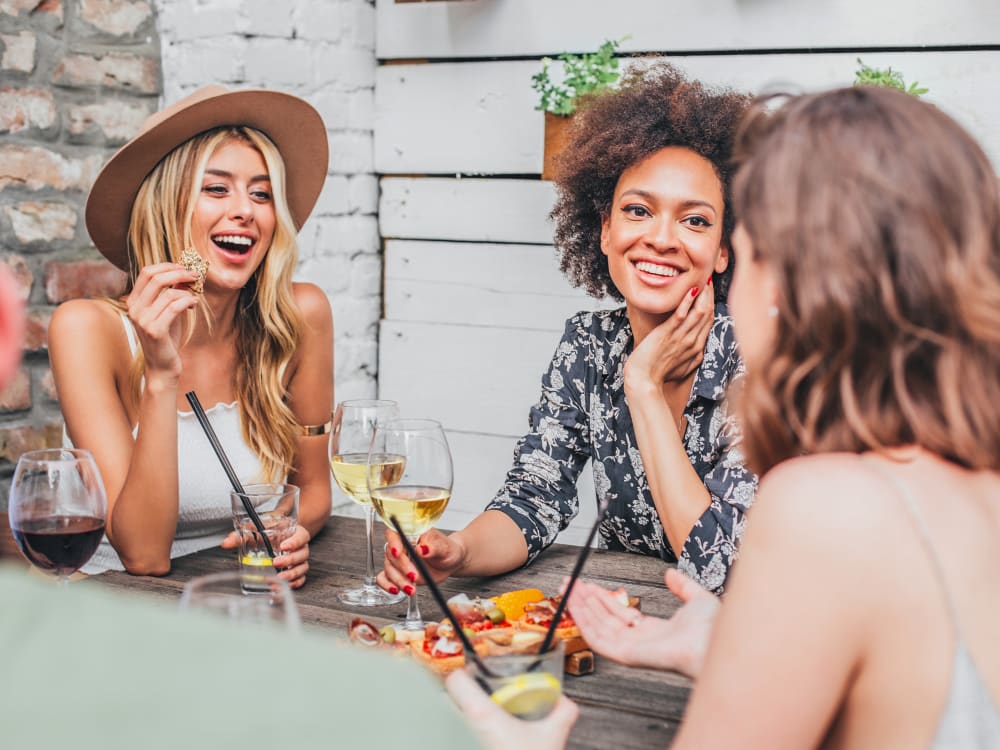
709, 282
394, 552
412, 575
425, 550
408, 590
694, 292
393, 590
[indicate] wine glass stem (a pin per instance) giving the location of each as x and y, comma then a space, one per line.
370, 556
413, 618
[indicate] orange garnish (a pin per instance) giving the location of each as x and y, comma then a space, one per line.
512, 603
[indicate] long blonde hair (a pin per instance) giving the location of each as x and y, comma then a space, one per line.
267, 321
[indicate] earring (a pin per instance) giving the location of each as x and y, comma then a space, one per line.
772, 311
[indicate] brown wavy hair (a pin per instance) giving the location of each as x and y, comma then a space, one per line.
654, 108
880, 218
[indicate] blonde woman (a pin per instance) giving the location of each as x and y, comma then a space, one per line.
222, 180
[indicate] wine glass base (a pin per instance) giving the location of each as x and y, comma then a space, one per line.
369, 596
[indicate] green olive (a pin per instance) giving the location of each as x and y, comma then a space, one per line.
496, 615
469, 633
388, 633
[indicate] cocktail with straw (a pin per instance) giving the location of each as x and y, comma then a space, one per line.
419, 494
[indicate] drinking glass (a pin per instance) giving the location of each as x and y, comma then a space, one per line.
418, 495
57, 509
225, 594
354, 424
277, 507
520, 680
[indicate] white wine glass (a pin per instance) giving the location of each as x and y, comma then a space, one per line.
57, 509
354, 424
419, 494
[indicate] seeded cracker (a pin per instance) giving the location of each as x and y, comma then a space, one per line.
194, 262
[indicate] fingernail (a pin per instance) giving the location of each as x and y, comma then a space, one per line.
412, 575
394, 552
393, 590
694, 292
709, 282
408, 590
425, 550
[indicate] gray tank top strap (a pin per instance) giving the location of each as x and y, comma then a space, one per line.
924, 533
970, 720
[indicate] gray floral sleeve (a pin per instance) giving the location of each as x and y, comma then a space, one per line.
539, 493
583, 414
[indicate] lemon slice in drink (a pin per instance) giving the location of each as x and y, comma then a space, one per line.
529, 696
257, 560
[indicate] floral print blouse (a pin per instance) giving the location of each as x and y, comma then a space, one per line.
583, 414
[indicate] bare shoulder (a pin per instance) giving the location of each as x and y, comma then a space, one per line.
90, 321
821, 497
313, 304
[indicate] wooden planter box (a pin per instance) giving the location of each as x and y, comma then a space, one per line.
557, 129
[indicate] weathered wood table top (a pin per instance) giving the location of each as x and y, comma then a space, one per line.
619, 707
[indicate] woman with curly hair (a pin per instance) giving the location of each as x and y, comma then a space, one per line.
643, 216
867, 306
201, 209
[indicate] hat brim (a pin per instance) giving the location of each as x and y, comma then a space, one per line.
294, 126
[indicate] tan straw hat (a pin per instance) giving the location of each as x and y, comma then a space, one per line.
294, 126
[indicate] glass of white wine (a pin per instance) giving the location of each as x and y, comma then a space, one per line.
418, 495
354, 424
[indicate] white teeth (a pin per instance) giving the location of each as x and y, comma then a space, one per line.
234, 239
656, 269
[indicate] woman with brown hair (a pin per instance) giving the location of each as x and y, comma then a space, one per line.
643, 216
201, 209
865, 605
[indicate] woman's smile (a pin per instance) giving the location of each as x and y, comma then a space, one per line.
663, 235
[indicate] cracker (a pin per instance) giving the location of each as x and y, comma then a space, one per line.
194, 262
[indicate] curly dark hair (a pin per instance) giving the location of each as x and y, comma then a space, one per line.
653, 108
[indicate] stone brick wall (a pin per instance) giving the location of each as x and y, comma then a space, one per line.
77, 78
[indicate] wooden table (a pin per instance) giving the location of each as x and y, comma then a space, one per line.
619, 707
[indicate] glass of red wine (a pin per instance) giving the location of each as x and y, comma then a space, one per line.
57, 509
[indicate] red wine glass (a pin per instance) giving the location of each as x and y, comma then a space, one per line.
57, 509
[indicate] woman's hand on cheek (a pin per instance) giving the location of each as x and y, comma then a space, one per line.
674, 349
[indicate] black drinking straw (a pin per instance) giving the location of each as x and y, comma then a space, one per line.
441, 602
192, 398
580, 560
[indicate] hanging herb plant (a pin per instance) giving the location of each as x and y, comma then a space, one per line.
582, 74
868, 76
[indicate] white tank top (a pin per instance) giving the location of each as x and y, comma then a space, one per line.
204, 513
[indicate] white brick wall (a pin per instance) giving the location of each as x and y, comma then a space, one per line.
323, 51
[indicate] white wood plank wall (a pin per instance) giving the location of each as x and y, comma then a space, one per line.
474, 303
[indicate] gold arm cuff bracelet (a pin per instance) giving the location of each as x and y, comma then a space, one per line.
311, 430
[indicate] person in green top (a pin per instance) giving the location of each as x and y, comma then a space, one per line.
89, 668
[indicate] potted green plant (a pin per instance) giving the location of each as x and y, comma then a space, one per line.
585, 74
868, 76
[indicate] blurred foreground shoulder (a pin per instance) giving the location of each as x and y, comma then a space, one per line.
816, 496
